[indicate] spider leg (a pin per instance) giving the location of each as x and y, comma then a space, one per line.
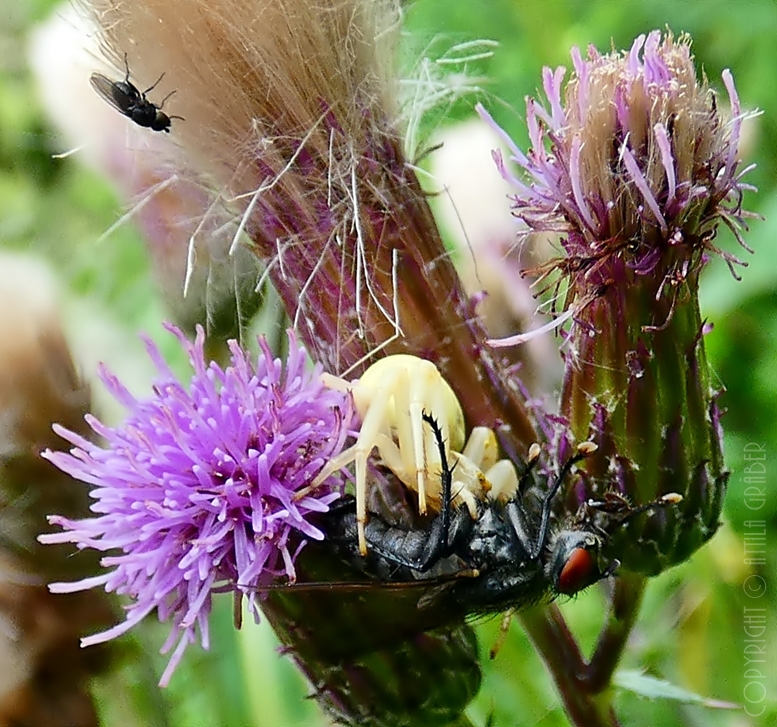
334, 465
374, 417
482, 448
335, 382
392, 457
405, 423
439, 401
347, 455
426, 393
416, 410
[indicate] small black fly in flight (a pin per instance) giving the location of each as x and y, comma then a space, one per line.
125, 97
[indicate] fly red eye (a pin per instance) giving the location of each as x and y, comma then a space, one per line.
577, 573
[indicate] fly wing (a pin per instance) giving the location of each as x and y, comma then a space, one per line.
111, 92
387, 612
395, 609
421, 587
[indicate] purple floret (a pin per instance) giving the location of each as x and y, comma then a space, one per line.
630, 164
630, 170
195, 492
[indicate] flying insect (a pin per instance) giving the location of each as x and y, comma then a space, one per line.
129, 101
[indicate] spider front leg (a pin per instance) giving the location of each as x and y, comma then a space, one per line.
417, 387
390, 399
375, 432
395, 391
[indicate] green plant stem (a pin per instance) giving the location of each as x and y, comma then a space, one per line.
624, 608
584, 686
557, 647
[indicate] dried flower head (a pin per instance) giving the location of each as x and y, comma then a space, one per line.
196, 489
634, 168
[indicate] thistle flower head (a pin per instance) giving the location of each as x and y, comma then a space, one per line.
196, 490
633, 166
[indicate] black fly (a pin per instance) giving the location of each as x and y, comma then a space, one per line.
354, 623
511, 556
125, 97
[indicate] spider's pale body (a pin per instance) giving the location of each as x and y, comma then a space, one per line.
390, 398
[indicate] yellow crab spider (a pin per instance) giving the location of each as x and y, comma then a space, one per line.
390, 399
497, 478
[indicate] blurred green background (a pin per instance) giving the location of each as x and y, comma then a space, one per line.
691, 630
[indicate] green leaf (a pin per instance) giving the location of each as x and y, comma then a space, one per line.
643, 685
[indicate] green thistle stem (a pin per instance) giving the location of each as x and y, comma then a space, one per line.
559, 650
640, 388
624, 609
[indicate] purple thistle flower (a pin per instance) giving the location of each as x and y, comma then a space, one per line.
634, 169
196, 489
633, 166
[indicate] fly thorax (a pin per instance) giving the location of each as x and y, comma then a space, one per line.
493, 544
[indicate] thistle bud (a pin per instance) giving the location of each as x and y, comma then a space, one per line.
634, 167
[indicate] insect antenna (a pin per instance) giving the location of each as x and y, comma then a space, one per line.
616, 504
165, 98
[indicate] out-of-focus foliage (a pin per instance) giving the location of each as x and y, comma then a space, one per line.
692, 627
